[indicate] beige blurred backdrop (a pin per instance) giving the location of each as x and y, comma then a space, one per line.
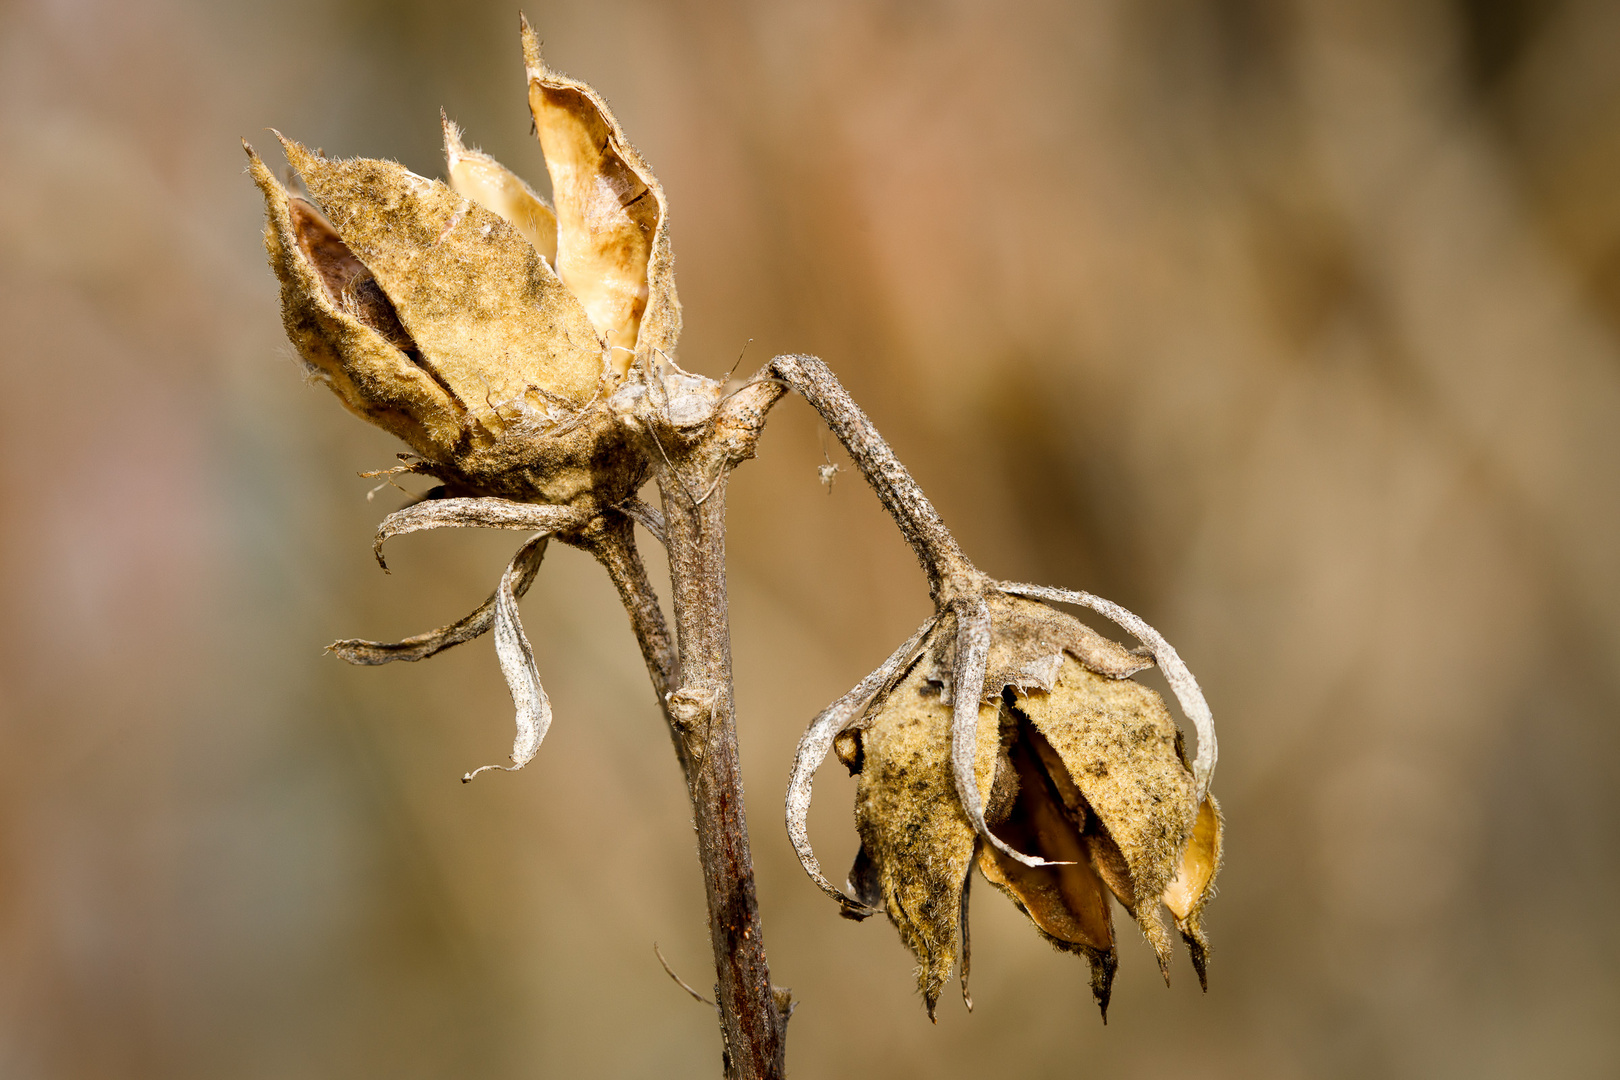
1293, 326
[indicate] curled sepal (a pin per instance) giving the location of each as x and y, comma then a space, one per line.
463, 630
477, 176
1194, 884
476, 514
967, 676
612, 222
813, 747
516, 657
1181, 680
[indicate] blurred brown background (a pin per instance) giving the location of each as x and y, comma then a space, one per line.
1293, 326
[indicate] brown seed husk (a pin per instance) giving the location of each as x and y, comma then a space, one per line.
1067, 903
1117, 742
493, 322
612, 221
911, 824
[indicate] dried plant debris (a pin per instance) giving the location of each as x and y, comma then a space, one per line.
1007, 735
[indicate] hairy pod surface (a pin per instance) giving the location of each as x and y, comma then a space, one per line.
480, 324
1076, 763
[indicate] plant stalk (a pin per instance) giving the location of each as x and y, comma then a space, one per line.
942, 559
692, 484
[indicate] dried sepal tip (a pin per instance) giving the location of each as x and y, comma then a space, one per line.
1194, 884
516, 657
421, 646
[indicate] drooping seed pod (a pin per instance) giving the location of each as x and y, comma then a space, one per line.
1079, 779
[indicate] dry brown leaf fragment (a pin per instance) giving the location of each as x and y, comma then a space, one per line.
516, 658
473, 625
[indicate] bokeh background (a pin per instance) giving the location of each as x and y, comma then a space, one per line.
1293, 326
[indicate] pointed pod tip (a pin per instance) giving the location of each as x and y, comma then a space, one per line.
261, 173
299, 156
531, 48
454, 148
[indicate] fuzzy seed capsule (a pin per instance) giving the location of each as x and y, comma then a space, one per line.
1076, 764
481, 325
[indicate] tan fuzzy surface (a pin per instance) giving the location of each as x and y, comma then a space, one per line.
1118, 742
911, 823
370, 376
493, 322
484, 428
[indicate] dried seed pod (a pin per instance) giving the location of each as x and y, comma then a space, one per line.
915, 838
490, 332
472, 320
1076, 773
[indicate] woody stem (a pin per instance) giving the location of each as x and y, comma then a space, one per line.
948, 569
692, 484
611, 539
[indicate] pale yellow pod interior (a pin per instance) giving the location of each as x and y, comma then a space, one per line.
479, 177
1198, 863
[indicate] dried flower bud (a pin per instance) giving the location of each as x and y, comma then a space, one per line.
1076, 771
474, 321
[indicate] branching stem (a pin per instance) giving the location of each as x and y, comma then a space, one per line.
947, 568
695, 679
